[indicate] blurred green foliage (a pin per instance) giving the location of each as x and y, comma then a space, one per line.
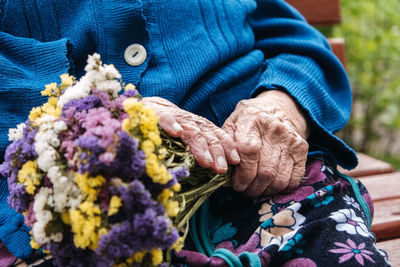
371, 29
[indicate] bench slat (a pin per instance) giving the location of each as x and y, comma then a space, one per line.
337, 45
321, 12
383, 187
386, 222
368, 166
392, 247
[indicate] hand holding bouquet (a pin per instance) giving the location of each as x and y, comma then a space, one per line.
97, 180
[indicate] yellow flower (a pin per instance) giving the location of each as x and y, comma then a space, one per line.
158, 172
155, 137
85, 223
176, 187
89, 208
178, 245
90, 186
130, 86
29, 176
164, 196
148, 121
51, 107
132, 106
157, 256
137, 257
35, 114
103, 231
172, 208
148, 147
126, 125
49, 89
34, 244
67, 80
65, 217
115, 204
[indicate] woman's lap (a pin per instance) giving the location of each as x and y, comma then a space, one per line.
325, 221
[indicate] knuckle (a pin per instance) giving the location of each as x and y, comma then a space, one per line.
243, 103
267, 172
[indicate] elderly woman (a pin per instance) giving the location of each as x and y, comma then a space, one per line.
243, 82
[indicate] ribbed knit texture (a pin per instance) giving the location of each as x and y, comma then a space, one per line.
13, 233
203, 55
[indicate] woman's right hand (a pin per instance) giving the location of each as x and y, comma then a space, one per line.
210, 145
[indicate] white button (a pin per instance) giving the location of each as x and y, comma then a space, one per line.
135, 54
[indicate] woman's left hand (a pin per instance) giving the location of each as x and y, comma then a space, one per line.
270, 133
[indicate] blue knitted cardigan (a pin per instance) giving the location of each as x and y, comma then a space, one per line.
203, 55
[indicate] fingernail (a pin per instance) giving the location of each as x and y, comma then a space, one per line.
240, 187
235, 155
208, 157
176, 127
222, 163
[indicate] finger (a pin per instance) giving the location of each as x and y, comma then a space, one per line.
167, 121
297, 174
283, 176
169, 124
266, 172
299, 159
193, 136
248, 144
228, 145
220, 164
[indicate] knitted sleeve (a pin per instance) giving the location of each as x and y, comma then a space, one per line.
25, 66
299, 60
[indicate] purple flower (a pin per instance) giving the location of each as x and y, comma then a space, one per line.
130, 93
79, 105
66, 254
143, 224
18, 199
17, 154
351, 250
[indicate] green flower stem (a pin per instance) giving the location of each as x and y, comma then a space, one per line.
196, 188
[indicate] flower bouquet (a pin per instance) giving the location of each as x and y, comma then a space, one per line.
97, 180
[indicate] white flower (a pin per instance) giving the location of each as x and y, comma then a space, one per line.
66, 193
349, 222
350, 201
17, 133
111, 86
92, 62
59, 126
47, 159
43, 217
46, 141
110, 72
80, 90
102, 77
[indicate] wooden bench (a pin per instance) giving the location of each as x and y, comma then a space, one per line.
379, 178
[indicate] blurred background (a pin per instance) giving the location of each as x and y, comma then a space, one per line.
371, 30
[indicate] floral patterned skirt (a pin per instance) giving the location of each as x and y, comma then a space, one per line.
324, 222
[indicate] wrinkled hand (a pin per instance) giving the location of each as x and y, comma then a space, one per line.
269, 132
210, 145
